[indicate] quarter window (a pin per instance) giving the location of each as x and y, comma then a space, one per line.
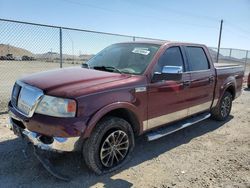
197, 59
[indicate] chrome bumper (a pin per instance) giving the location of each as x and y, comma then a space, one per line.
59, 144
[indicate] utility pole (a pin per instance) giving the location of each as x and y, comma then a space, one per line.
218, 51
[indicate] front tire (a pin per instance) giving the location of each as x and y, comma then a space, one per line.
109, 146
223, 109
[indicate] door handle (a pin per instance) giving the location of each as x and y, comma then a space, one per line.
186, 83
211, 79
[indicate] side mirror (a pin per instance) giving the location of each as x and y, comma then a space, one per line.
172, 70
168, 73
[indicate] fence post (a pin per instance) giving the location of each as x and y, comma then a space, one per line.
246, 61
61, 55
134, 39
230, 52
246, 55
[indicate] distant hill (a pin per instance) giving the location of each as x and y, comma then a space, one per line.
48, 55
19, 52
15, 51
54, 55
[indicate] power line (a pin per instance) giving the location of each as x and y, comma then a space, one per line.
239, 28
89, 5
182, 13
237, 33
149, 17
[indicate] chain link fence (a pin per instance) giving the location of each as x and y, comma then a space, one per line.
232, 56
27, 48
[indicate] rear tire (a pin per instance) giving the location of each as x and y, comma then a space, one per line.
110, 145
223, 109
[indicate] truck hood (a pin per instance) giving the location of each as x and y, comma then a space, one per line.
66, 82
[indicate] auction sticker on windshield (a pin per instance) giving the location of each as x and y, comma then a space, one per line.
143, 51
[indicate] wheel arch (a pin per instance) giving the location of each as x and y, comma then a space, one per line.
123, 110
231, 89
230, 86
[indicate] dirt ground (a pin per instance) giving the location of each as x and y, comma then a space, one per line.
208, 154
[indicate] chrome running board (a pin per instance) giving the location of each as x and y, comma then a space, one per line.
169, 129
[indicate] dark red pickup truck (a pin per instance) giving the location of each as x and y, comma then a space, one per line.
126, 90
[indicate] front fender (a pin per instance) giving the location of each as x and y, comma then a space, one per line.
106, 109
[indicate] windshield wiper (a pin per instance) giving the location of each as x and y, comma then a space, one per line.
107, 68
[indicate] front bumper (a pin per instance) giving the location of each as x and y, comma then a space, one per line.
48, 125
50, 143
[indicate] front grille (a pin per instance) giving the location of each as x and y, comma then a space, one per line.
25, 98
15, 94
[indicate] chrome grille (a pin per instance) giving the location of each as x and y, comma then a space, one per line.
15, 94
25, 98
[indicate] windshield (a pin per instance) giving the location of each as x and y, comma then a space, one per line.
130, 58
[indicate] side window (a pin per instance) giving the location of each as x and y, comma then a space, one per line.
171, 57
197, 59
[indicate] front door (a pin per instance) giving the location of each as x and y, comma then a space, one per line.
168, 99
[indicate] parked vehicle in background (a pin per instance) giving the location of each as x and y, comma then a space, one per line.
3, 58
126, 90
10, 57
27, 58
18, 58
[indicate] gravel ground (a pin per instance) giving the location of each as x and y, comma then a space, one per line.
208, 154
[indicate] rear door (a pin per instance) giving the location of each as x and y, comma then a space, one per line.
202, 79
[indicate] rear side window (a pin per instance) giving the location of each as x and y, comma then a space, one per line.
171, 57
197, 59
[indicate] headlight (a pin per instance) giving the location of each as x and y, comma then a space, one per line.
57, 107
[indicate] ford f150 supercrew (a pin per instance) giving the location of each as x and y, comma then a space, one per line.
126, 90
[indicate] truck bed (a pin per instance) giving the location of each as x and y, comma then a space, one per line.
228, 73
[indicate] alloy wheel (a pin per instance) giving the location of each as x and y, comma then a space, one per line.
225, 106
114, 148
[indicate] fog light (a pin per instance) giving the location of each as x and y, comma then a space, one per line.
46, 139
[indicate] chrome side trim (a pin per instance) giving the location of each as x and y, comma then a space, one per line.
199, 108
164, 119
140, 89
161, 120
215, 102
145, 125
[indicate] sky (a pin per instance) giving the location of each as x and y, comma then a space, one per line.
176, 20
